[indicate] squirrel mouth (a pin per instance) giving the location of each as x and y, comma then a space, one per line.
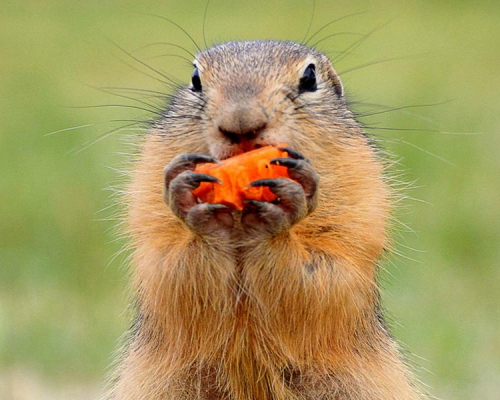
241, 141
243, 146
249, 146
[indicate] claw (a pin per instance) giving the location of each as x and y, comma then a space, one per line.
196, 178
285, 162
258, 207
253, 203
199, 159
271, 183
184, 162
218, 207
293, 153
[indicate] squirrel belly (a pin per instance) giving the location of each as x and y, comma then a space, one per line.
279, 300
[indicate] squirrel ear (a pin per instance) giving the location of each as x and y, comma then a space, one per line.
334, 79
337, 84
339, 88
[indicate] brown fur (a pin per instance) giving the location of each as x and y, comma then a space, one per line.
294, 316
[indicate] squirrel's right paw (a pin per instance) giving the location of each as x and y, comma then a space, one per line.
296, 197
179, 182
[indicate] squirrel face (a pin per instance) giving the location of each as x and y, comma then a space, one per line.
254, 94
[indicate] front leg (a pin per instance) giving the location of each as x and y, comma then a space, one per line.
208, 220
296, 198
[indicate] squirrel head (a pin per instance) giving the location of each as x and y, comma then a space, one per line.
246, 95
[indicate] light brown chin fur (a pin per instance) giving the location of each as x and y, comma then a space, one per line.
225, 151
290, 317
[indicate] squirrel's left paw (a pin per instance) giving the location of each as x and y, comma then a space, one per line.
295, 198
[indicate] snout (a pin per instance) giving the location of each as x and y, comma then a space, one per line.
239, 124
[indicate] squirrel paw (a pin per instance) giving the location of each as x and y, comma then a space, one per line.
180, 180
301, 170
295, 199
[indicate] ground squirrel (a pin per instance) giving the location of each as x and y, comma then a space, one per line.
278, 301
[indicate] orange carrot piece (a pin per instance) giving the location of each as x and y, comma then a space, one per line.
236, 173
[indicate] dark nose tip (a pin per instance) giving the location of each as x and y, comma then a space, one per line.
236, 137
242, 123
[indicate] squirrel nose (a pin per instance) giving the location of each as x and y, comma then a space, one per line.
242, 123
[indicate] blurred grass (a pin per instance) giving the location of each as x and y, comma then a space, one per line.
62, 295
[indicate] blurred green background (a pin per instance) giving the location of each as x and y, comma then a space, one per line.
63, 293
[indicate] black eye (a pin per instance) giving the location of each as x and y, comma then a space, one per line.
196, 81
308, 80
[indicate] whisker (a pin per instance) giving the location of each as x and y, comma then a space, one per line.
178, 26
337, 34
204, 22
171, 55
166, 83
389, 108
159, 95
461, 133
115, 105
164, 75
330, 23
369, 64
310, 22
164, 44
87, 144
402, 108
421, 149
73, 128
359, 42
154, 107
151, 92
386, 128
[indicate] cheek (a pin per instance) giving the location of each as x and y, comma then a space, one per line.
277, 136
283, 127
215, 149
218, 145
